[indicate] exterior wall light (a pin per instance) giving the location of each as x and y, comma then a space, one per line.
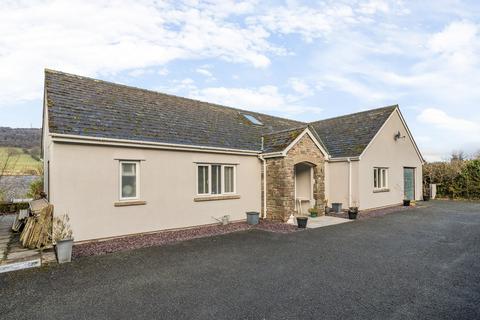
397, 136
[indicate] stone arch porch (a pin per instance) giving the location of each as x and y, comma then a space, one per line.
283, 173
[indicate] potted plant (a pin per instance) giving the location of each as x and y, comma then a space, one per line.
313, 212
406, 203
353, 211
337, 207
252, 217
62, 238
327, 209
302, 221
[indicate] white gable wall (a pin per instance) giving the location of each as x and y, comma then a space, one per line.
384, 151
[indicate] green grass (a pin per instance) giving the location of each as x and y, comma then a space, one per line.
19, 163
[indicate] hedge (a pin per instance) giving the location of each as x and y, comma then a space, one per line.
8, 207
455, 179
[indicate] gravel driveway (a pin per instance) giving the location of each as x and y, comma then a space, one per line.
417, 264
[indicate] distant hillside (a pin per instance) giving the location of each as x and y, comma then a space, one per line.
20, 161
20, 137
20, 151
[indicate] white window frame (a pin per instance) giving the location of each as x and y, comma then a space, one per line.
196, 179
234, 178
209, 165
137, 179
381, 185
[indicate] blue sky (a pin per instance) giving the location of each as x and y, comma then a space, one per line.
303, 60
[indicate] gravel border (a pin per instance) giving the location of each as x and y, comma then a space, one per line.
168, 237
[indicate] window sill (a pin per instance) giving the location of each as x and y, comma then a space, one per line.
214, 198
129, 203
381, 190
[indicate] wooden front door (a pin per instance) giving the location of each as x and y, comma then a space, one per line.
409, 183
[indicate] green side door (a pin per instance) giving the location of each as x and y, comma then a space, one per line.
409, 183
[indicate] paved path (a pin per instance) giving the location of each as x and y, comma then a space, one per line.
324, 221
13, 256
6, 222
416, 264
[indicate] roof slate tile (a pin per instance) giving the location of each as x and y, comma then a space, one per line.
349, 135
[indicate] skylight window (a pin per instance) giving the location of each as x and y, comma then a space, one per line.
252, 119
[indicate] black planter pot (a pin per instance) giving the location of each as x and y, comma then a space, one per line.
352, 214
406, 203
426, 198
302, 222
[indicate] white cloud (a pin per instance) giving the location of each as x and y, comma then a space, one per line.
162, 71
443, 133
458, 46
374, 6
442, 120
357, 88
262, 99
433, 156
307, 21
456, 36
179, 86
107, 37
301, 86
205, 72
141, 72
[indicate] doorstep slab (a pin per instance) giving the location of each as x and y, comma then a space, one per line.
323, 221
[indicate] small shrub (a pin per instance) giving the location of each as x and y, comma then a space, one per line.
36, 188
8, 207
61, 229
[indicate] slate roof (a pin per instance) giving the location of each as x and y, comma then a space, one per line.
88, 107
94, 108
278, 141
349, 135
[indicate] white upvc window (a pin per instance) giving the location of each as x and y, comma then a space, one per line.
229, 179
216, 179
380, 178
129, 180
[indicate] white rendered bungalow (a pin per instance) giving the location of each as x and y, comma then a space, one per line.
122, 160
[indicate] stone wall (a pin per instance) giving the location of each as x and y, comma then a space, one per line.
281, 179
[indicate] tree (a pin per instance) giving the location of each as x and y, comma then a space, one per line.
476, 155
458, 155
